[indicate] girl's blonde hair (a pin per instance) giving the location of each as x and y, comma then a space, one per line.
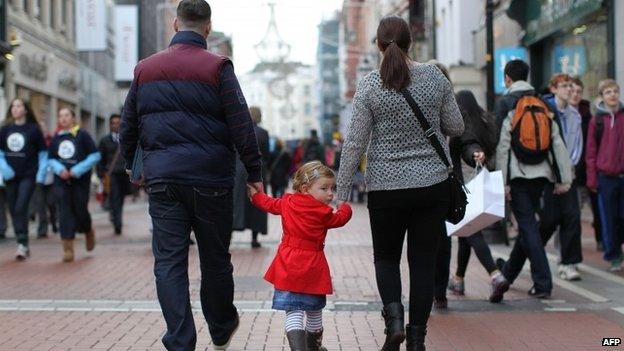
310, 172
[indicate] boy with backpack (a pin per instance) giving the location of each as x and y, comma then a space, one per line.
531, 154
605, 169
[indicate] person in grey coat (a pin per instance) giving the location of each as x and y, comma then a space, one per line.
246, 216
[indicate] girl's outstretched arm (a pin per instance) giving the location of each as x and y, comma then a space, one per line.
267, 203
340, 217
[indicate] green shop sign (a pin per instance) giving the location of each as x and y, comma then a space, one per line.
545, 17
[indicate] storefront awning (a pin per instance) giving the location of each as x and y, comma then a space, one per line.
541, 18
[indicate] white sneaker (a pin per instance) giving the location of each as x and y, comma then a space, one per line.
22, 252
569, 272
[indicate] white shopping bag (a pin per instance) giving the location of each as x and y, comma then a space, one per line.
486, 204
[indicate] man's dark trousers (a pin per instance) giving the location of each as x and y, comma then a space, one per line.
563, 211
525, 203
119, 188
176, 210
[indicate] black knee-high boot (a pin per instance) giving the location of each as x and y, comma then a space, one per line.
394, 317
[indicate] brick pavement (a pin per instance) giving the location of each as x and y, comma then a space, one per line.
121, 269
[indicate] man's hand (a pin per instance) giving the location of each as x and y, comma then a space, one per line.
593, 190
561, 189
507, 193
258, 186
479, 157
251, 191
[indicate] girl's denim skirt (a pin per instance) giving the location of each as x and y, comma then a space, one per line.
292, 301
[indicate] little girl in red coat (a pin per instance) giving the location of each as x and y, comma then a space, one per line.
299, 272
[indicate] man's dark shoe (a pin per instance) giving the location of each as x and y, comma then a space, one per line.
538, 294
117, 231
255, 245
394, 317
223, 345
499, 286
42, 236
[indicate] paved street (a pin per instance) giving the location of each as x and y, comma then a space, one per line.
106, 299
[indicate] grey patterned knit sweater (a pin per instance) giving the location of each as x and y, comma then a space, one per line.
399, 155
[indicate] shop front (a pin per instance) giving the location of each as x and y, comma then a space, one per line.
47, 79
573, 37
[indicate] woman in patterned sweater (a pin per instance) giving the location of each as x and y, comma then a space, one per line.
406, 179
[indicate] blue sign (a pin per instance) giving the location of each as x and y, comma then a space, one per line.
501, 57
571, 60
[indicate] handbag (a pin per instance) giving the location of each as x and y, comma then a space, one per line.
458, 197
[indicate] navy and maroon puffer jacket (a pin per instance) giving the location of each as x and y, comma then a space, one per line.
186, 110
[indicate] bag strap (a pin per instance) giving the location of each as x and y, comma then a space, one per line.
426, 126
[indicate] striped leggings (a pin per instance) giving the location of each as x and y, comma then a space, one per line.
313, 320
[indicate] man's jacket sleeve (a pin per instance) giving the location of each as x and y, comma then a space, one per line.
129, 133
239, 122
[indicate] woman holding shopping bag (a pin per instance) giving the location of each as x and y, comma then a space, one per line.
476, 146
23, 158
72, 156
408, 182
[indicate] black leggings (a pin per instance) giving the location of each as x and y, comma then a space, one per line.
421, 212
481, 249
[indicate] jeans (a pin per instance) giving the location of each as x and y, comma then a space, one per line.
73, 199
563, 211
481, 249
120, 187
175, 211
525, 204
611, 204
18, 194
43, 204
420, 211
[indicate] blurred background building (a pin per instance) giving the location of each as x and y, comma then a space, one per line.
51, 56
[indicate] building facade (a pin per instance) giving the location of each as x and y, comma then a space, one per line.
45, 69
286, 94
328, 83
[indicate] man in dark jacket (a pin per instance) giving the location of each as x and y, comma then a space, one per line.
313, 150
111, 170
193, 117
516, 75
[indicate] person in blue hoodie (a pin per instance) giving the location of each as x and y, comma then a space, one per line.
564, 210
72, 155
23, 157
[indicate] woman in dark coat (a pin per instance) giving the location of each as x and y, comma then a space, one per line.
246, 216
279, 170
476, 144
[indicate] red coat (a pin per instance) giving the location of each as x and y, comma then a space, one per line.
300, 264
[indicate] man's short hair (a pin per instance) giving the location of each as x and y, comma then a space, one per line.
193, 13
559, 78
114, 115
607, 83
577, 81
517, 70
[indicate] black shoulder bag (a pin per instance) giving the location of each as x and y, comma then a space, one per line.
458, 198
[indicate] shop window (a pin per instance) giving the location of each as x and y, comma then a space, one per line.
26, 6
38, 10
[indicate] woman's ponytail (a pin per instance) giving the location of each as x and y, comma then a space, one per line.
393, 39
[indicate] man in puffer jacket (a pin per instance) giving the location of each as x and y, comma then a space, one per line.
188, 114
605, 169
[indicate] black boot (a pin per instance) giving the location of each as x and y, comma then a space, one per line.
297, 340
315, 341
416, 337
394, 316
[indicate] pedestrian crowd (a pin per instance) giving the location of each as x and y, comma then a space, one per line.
206, 165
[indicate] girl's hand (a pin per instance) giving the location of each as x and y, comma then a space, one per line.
479, 156
251, 191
